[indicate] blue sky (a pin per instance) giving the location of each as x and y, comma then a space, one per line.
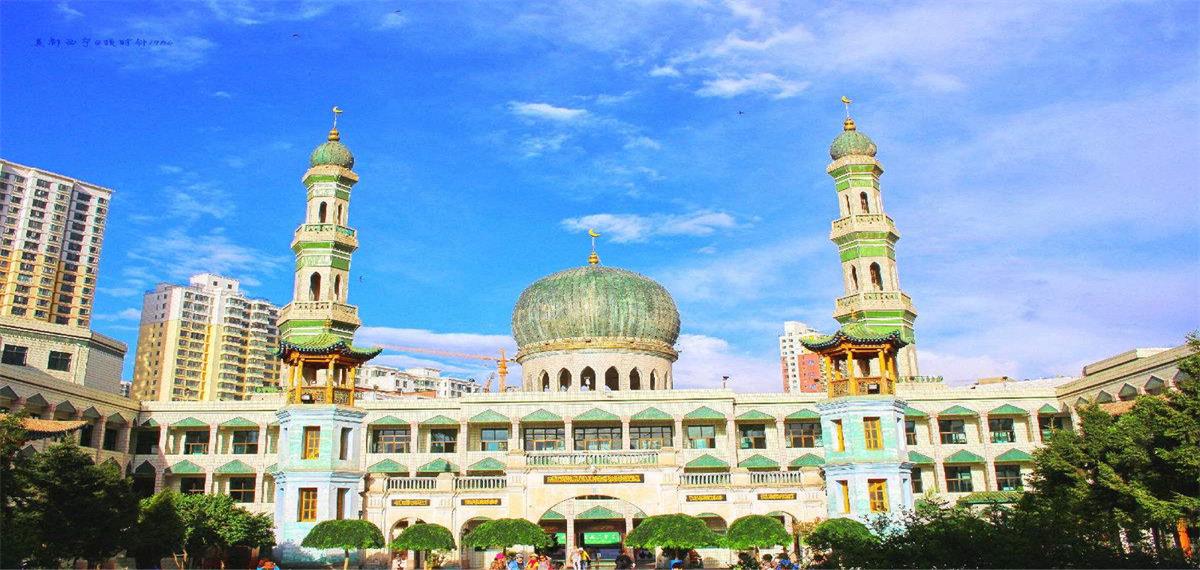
1040, 160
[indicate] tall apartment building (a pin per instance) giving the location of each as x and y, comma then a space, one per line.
205, 341
396, 381
53, 227
801, 368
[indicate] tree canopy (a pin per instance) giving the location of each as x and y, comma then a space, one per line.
673, 532
503, 533
424, 538
345, 535
159, 530
214, 523
843, 543
756, 531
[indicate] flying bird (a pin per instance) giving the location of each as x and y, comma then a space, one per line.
295, 35
741, 112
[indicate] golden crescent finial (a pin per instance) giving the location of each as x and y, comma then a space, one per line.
333, 133
593, 259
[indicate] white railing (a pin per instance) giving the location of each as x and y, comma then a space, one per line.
776, 478
703, 479
479, 483
561, 458
863, 220
411, 483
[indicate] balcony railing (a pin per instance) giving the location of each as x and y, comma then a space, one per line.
873, 300
411, 483
863, 222
340, 311
861, 386
480, 483
776, 478
322, 395
703, 479
576, 458
342, 230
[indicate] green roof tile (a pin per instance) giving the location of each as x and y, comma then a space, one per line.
957, 411
487, 464
597, 415
911, 412
753, 415
1008, 410
489, 417
326, 343
963, 456
920, 458
1049, 410
150, 423
238, 422
706, 461
389, 421
553, 515
757, 461
272, 469
439, 420
803, 415
185, 467
189, 423
808, 460
438, 466
542, 416
651, 414
854, 333
387, 466
144, 469
1013, 456
704, 413
235, 467
599, 513
990, 498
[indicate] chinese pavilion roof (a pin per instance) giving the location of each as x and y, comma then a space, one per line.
855, 334
326, 343
38, 428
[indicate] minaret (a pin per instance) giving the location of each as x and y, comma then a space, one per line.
320, 474
866, 239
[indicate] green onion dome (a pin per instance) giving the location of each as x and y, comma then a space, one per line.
851, 142
332, 152
595, 307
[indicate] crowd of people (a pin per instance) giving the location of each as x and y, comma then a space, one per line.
626, 559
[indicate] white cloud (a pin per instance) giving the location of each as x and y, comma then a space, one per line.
67, 11
222, 95
546, 111
532, 146
169, 169
703, 360
728, 87
959, 370
123, 315
625, 228
642, 141
665, 71
465, 343
392, 20
235, 162
748, 274
184, 54
604, 99
943, 82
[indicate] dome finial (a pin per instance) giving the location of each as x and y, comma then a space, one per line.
333, 133
593, 259
848, 124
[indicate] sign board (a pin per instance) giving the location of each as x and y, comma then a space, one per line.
776, 496
705, 498
594, 479
489, 502
410, 502
601, 538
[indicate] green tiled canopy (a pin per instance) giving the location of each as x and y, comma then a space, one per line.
1014, 456
1047, 409
489, 417
963, 456
753, 415
706, 461
388, 421
856, 334
991, 497
920, 458
808, 460
542, 416
238, 422
387, 466
1008, 410
487, 464
553, 515
757, 461
704, 413
599, 513
651, 414
438, 466
439, 420
957, 411
803, 415
911, 412
185, 467
326, 343
597, 415
189, 423
235, 467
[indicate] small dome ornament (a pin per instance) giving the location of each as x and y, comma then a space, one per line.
333, 152
851, 142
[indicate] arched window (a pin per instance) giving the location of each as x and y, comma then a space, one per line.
635, 380
864, 203
340, 220
653, 380
854, 278
321, 211
587, 379
314, 287
876, 277
545, 381
337, 287
612, 379
564, 380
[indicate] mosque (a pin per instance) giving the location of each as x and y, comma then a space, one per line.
596, 437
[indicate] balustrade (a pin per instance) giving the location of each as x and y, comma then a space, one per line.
480, 483
703, 479
777, 478
559, 458
411, 483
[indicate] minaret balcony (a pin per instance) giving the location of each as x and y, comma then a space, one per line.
335, 233
319, 311
873, 300
863, 223
864, 386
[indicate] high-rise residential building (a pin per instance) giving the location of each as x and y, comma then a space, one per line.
389, 381
205, 341
800, 367
53, 226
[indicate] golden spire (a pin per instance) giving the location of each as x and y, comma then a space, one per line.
333, 133
848, 124
593, 259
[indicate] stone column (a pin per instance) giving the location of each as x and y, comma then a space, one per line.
985, 429
781, 435
260, 490
158, 479
570, 529
125, 443
414, 429
677, 436
213, 433
731, 435
514, 436
163, 433
262, 440
625, 437
1031, 420
98, 434
568, 436
209, 482
464, 431
628, 526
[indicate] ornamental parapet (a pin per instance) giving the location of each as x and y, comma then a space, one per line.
650, 346
334, 233
873, 300
319, 311
863, 223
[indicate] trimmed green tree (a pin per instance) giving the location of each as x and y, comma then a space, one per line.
424, 538
159, 530
756, 531
503, 533
346, 535
214, 523
844, 543
675, 534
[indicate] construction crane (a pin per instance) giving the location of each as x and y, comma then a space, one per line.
501, 362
